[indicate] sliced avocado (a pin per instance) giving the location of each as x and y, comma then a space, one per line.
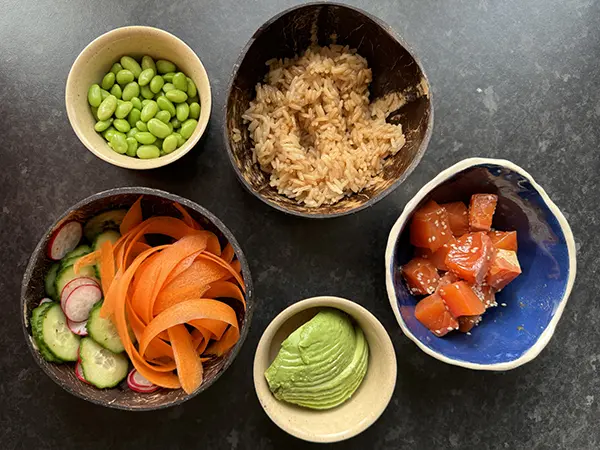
321, 364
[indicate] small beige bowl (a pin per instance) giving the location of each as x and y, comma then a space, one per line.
356, 414
97, 59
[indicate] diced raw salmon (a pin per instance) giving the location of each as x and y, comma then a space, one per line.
429, 227
466, 323
458, 217
481, 211
421, 276
470, 258
505, 240
486, 294
505, 268
447, 278
438, 258
461, 300
432, 312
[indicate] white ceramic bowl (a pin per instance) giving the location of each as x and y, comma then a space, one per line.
531, 306
97, 59
351, 417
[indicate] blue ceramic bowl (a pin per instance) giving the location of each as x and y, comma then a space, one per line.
510, 335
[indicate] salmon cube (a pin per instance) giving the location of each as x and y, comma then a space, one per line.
461, 300
486, 294
429, 227
447, 278
470, 258
505, 240
432, 312
466, 323
505, 268
481, 211
458, 217
421, 276
438, 258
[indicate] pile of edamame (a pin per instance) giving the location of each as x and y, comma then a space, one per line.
145, 110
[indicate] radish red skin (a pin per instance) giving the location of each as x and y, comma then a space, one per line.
73, 284
64, 239
137, 387
87, 295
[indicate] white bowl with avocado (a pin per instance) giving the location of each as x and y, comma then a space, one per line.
325, 369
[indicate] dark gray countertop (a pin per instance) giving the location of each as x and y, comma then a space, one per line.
513, 79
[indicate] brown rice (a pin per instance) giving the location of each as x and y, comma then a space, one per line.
313, 129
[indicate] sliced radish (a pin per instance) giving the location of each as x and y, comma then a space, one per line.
138, 383
64, 240
79, 372
45, 300
80, 302
74, 284
79, 328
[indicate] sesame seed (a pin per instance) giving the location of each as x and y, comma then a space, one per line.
503, 304
443, 234
468, 333
450, 328
432, 238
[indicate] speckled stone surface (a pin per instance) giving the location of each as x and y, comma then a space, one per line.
517, 80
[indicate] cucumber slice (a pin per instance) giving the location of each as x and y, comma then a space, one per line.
68, 273
110, 235
103, 331
71, 258
101, 367
49, 281
56, 334
108, 220
36, 331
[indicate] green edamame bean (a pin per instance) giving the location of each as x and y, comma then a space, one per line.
109, 133
158, 128
165, 104
141, 126
169, 144
94, 112
108, 81
102, 125
195, 110
145, 137
116, 91
131, 90
146, 92
159, 143
188, 127
94, 95
116, 67
125, 77
145, 77
191, 87
122, 125
149, 111
163, 116
107, 107
131, 133
170, 125
176, 96
160, 94
145, 102
148, 152
183, 111
176, 123
134, 116
148, 63
156, 84
180, 139
104, 93
123, 110
191, 100
132, 146
119, 142
180, 81
168, 77
164, 66
132, 65
136, 102
168, 87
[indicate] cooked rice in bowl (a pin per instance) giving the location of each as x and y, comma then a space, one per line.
314, 130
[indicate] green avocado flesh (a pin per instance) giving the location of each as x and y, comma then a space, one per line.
321, 364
